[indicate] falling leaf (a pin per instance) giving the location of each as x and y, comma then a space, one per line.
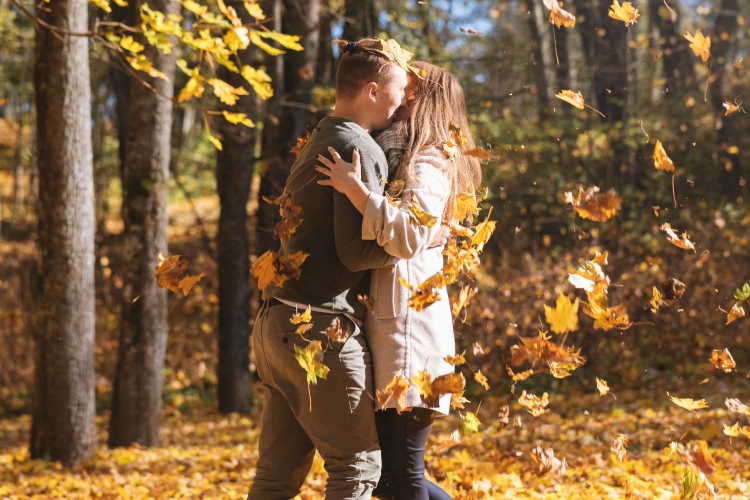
625, 12
466, 204
396, 389
564, 317
471, 423
732, 431
539, 350
168, 272
736, 406
672, 290
458, 401
503, 414
620, 446
450, 383
368, 302
731, 108
464, 296
477, 349
546, 461
742, 294
311, 360
656, 302
423, 382
558, 16
456, 360
574, 98
274, 268
188, 282
336, 333
700, 44
445, 442
698, 456
482, 233
303, 328
479, 153
682, 242
661, 160
303, 317
536, 406
602, 386
722, 360
689, 404
420, 216
301, 141
735, 313
481, 379
592, 206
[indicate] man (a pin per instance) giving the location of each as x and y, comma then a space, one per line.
336, 415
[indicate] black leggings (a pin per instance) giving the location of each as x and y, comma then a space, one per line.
402, 443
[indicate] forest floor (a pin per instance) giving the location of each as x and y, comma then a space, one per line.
205, 455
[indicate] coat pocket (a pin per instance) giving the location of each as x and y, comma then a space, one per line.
385, 287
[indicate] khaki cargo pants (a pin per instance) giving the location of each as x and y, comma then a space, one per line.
341, 425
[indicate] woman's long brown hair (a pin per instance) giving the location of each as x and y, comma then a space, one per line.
438, 104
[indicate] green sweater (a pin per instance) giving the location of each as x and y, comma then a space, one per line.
337, 269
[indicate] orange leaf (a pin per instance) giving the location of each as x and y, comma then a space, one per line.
592, 206
661, 160
700, 44
574, 98
168, 272
682, 242
722, 360
301, 141
188, 282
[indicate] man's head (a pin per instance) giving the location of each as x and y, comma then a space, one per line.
369, 84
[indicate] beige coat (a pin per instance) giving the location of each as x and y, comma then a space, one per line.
400, 338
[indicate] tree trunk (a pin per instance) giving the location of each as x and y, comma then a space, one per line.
121, 82
722, 37
676, 56
294, 116
564, 72
538, 44
325, 70
361, 19
63, 421
136, 400
18, 188
234, 171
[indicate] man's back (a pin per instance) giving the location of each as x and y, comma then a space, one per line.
330, 232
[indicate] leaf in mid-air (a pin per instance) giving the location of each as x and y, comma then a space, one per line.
471, 423
700, 44
661, 160
546, 461
682, 242
419, 216
742, 294
558, 16
735, 313
564, 317
602, 386
303, 317
396, 389
625, 12
574, 98
535, 404
168, 272
722, 360
592, 206
689, 404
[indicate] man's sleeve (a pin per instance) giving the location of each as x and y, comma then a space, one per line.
355, 253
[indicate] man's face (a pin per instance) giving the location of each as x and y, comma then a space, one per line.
390, 97
403, 112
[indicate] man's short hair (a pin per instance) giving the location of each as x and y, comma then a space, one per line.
359, 66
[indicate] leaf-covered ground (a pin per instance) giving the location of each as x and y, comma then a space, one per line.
205, 455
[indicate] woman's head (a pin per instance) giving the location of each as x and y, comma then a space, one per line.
437, 105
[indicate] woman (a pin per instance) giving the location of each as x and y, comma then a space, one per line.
401, 339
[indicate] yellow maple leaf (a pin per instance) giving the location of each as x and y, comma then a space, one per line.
602, 386
689, 404
597, 207
722, 360
700, 44
311, 360
564, 317
574, 98
536, 406
193, 88
732, 431
482, 233
238, 118
419, 216
274, 268
464, 296
481, 380
395, 389
466, 204
303, 317
423, 382
394, 52
237, 38
661, 160
225, 92
456, 360
625, 12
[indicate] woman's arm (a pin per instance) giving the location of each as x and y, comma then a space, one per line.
345, 177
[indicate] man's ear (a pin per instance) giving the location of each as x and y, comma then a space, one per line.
371, 91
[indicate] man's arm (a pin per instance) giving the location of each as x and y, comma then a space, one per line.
355, 253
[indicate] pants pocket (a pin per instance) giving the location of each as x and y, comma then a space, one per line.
385, 283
